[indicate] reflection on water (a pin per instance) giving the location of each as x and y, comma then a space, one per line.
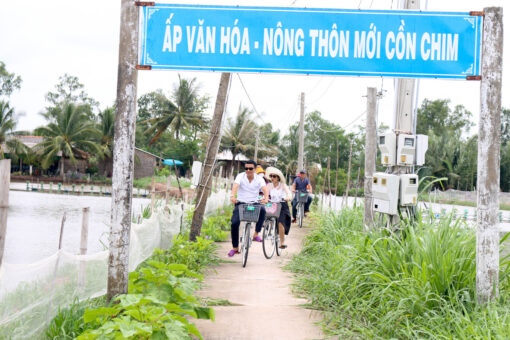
34, 220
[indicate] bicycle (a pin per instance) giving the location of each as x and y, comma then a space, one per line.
302, 198
271, 234
248, 214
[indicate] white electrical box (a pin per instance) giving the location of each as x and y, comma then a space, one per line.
408, 189
385, 192
422, 145
406, 149
388, 147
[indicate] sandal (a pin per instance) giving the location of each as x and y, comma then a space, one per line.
283, 246
233, 252
257, 239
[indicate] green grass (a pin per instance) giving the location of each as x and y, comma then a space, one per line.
145, 182
69, 323
417, 284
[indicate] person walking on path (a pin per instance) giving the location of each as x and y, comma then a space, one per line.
246, 189
280, 193
301, 184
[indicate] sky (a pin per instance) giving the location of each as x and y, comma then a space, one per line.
43, 40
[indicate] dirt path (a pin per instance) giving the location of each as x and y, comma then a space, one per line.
265, 307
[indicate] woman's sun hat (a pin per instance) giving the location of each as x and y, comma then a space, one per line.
274, 171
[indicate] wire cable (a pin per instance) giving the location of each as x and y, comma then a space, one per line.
249, 98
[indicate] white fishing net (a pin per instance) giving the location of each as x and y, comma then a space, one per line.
31, 294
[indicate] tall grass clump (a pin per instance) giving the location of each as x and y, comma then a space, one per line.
416, 283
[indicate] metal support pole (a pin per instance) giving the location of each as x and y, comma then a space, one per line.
370, 154
123, 152
489, 140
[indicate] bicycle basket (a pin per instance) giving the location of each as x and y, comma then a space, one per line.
273, 209
302, 197
249, 212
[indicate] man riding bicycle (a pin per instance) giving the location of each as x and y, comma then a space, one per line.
301, 184
246, 190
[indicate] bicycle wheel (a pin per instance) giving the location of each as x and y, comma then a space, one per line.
268, 238
300, 213
246, 243
277, 237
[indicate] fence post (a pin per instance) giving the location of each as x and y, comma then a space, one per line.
5, 181
153, 195
83, 246
167, 191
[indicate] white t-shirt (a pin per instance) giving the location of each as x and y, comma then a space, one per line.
248, 191
278, 193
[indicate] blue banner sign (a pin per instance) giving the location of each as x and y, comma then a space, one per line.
311, 41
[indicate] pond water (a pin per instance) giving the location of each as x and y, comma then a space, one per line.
34, 220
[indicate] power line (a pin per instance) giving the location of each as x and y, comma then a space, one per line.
249, 98
324, 93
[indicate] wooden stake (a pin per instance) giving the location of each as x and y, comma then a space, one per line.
357, 187
348, 187
489, 140
167, 191
84, 231
329, 182
83, 247
5, 181
153, 195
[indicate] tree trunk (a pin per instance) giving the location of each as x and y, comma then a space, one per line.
62, 172
213, 143
123, 152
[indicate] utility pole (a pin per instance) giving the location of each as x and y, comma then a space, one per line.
489, 140
301, 134
405, 93
123, 152
256, 145
370, 154
204, 187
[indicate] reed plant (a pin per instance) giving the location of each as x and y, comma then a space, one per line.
417, 281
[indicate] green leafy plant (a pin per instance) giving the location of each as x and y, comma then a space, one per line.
195, 255
158, 306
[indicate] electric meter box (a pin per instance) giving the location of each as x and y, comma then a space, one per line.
406, 149
422, 145
388, 147
408, 189
385, 192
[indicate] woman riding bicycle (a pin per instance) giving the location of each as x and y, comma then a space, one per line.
246, 190
280, 193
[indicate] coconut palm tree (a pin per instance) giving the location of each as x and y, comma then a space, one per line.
69, 132
106, 127
7, 125
185, 111
239, 133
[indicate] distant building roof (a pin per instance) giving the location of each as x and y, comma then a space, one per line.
30, 141
226, 155
147, 152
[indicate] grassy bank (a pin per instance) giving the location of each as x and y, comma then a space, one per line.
417, 284
145, 182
